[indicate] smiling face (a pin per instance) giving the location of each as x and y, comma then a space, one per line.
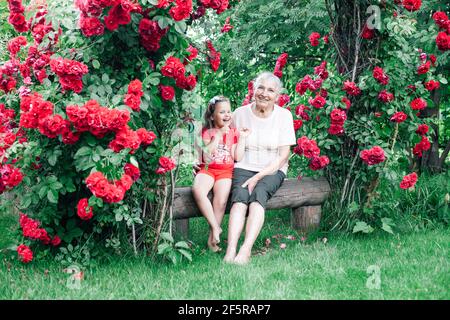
266, 93
222, 114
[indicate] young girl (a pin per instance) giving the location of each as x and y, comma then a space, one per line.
222, 145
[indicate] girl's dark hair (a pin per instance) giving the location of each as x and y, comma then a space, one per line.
209, 123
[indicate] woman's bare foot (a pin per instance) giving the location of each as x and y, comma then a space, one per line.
229, 257
242, 258
212, 245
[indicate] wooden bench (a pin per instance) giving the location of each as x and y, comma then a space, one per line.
304, 197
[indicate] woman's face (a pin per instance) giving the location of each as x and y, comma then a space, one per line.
266, 94
222, 114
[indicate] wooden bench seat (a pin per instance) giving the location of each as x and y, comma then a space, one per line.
304, 198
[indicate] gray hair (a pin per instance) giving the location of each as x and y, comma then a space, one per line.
268, 76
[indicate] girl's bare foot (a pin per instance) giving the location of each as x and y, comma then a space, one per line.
212, 245
216, 235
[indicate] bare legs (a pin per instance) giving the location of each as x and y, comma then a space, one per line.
213, 213
255, 222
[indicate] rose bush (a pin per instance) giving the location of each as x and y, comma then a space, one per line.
90, 94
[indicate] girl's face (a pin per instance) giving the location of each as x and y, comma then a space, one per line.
222, 114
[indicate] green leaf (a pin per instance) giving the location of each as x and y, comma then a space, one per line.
361, 226
83, 151
166, 236
105, 78
162, 248
134, 162
95, 64
386, 225
119, 216
182, 244
52, 196
185, 253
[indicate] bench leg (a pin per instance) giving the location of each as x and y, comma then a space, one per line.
306, 218
181, 228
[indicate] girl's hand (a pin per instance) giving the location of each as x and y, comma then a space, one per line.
244, 132
251, 184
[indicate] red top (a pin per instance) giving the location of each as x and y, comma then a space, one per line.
222, 157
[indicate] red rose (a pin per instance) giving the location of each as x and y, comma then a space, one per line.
432, 85
167, 92
167, 163
443, 41
373, 156
367, 33
314, 39
297, 124
412, 5
84, 211
418, 104
284, 98
25, 253
351, 88
56, 241
422, 129
440, 18
380, 76
424, 68
318, 102
132, 171
336, 129
317, 163
409, 181
399, 117
338, 117
385, 96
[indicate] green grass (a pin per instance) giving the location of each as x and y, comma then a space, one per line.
412, 266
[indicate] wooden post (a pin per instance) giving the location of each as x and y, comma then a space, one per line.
306, 218
181, 228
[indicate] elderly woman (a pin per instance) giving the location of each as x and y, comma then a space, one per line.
263, 168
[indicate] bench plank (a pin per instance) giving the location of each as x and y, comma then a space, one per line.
292, 194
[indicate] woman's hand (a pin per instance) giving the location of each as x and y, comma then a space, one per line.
251, 184
244, 132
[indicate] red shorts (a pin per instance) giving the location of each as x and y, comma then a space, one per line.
218, 173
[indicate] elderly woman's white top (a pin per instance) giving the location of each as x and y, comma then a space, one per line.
267, 134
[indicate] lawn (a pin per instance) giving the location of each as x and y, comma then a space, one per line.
410, 266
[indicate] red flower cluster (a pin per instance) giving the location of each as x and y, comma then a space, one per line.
443, 38
84, 211
412, 5
317, 102
422, 146
422, 129
310, 150
173, 68
321, 70
37, 113
284, 99
7, 81
351, 88
297, 124
164, 3
418, 104
70, 73
399, 117
102, 188
9, 177
165, 164
347, 102
213, 56
193, 53
25, 253
91, 26
127, 138
150, 34
30, 229
373, 156
314, 39
132, 171
443, 41
300, 112
367, 33
307, 83
182, 10
409, 181
133, 97
248, 98
279, 65
441, 19
15, 44
432, 85
385, 96
96, 119
16, 15
227, 26
120, 13
167, 92
338, 118
380, 76
218, 5
424, 68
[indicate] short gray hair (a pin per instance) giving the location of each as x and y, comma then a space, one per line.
268, 76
